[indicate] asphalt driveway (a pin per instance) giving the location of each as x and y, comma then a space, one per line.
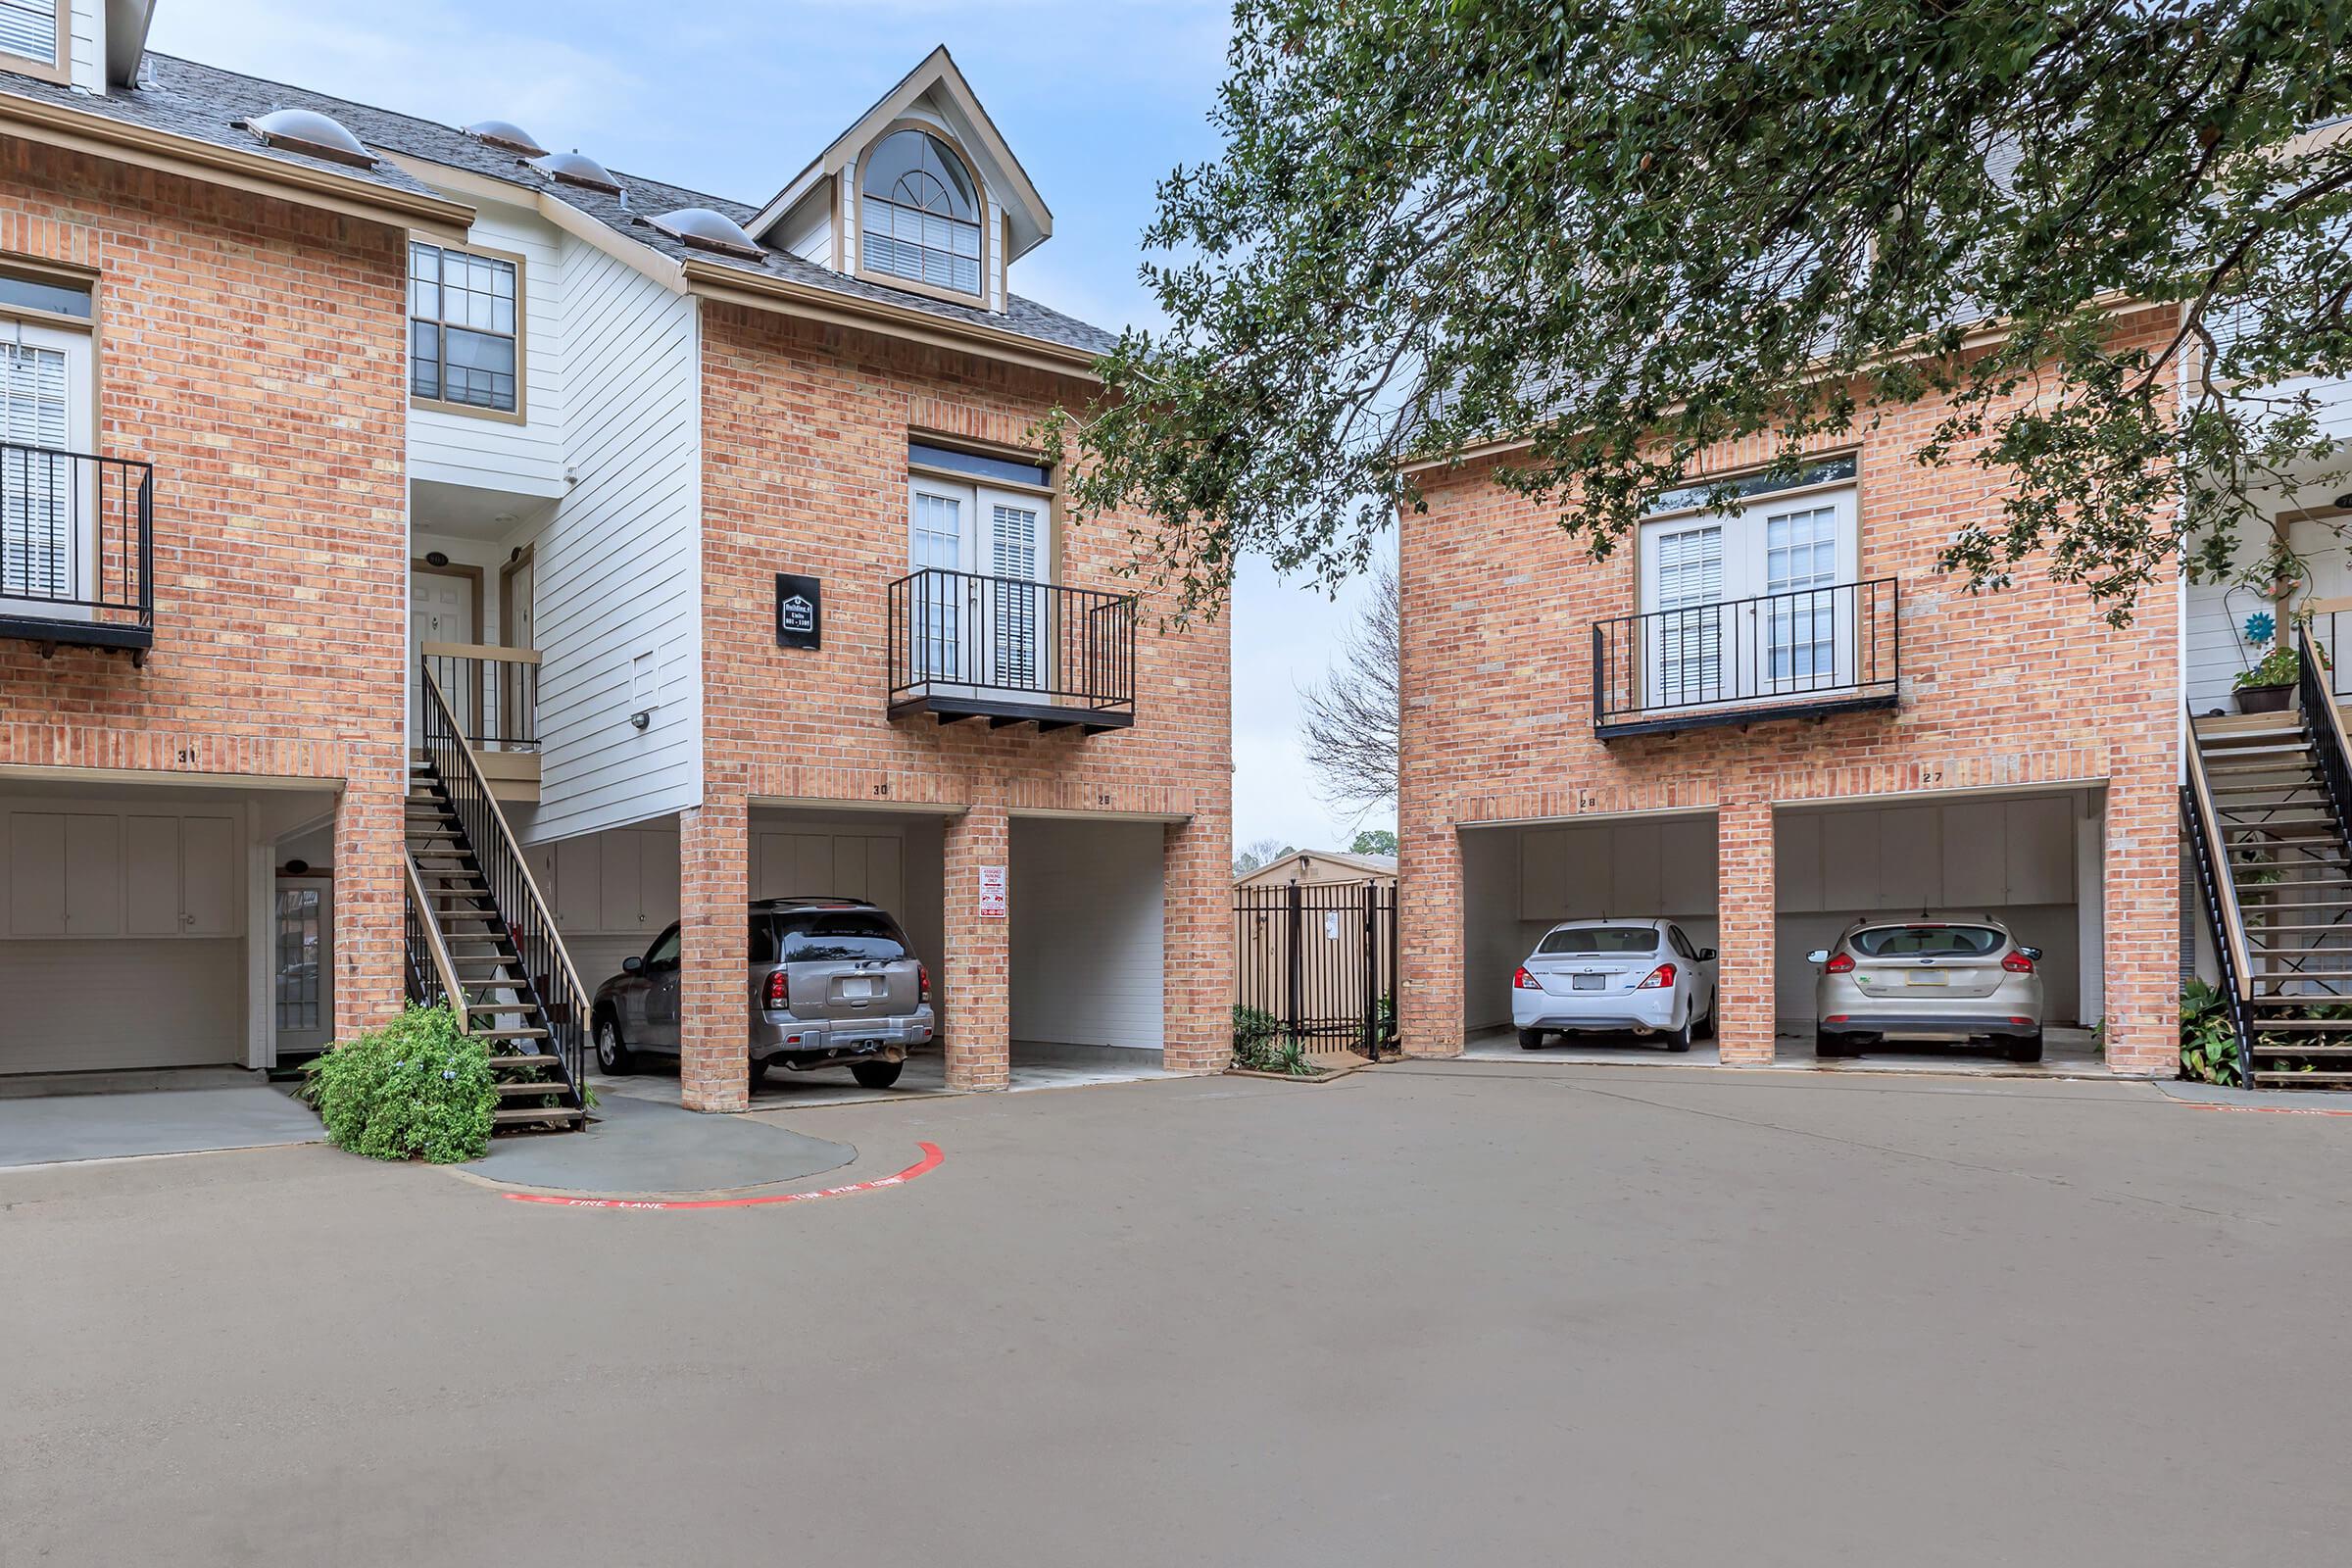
1460, 1313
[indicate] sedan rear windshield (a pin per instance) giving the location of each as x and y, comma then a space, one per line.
1927, 941
1600, 939
827, 935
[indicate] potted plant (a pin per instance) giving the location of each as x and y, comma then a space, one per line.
2269, 686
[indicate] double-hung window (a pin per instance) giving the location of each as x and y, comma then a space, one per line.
464, 328
32, 38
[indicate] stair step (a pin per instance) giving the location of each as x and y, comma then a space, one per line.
544, 1086
2301, 1080
2300, 1025
534, 1059
523, 1118
2283, 769
508, 1034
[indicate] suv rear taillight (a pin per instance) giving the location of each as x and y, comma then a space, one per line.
779, 991
2018, 963
1521, 980
922, 976
1659, 978
1840, 963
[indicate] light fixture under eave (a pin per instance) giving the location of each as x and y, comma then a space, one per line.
578, 169
507, 134
707, 229
307, 131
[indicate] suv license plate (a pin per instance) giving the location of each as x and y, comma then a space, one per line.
857, 988
1586, 982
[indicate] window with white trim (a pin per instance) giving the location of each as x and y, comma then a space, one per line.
465, 341
919, 212
34, 29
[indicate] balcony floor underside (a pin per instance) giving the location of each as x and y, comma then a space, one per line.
1002, 712
52, 632
1662, 723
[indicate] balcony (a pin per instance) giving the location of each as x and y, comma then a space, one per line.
1807, 653
493, 696
1010, 652
76, 550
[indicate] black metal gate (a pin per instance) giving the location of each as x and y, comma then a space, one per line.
1319, 959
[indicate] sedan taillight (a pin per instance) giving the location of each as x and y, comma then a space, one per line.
1840, 963
1659, 978
2018, 963
1521, 980
779, 991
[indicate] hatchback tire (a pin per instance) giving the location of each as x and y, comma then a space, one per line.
611, 1054
1827, 1045
877, 1074
1531, 1040
2026, 1049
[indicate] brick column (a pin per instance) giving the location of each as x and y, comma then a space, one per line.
1429, 936
1746, 934
715, 1017
2143, 931
369, 829
979, 1022
1198, 945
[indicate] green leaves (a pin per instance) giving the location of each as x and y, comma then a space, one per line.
1611, 234
416, 1089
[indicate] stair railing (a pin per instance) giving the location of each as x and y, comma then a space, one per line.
432, 977
2222, 916
548, 977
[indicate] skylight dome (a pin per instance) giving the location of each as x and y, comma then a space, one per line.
305, 131
578, 169
705, 229
508, 135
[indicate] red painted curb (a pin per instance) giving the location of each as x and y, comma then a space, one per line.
929, 1162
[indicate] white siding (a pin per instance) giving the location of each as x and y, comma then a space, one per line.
1088, 911
85, 38
618, 564
487, 453
806, 231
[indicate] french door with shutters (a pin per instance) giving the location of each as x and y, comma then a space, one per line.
1757, 604
991, 626
48, 546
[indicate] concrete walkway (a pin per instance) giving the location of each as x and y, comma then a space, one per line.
639, 1146
116, 1122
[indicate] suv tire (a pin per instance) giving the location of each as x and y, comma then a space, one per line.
613, 1054
877, 1074
759, 1071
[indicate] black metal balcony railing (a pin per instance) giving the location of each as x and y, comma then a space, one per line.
77, 548
1803, 654
967, 646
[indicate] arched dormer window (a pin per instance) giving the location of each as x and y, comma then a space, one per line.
919, 213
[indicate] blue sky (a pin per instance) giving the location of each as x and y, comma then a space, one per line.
1097, 100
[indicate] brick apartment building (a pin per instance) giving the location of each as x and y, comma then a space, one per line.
1764, 724
412, 528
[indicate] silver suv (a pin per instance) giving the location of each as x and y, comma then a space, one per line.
1939, 977
833, 984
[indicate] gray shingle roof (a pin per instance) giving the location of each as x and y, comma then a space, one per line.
185, 98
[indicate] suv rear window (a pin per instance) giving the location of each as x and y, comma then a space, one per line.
1927, 941
825, 936
1600, 939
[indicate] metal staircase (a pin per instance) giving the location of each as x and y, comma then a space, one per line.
2267, 803
480, 939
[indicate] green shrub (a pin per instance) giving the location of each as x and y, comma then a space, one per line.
2208, 1037
1256, 1037
416, 1089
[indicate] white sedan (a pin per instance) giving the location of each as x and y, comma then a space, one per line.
1644, 976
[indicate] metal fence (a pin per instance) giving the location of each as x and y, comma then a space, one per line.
1319, 959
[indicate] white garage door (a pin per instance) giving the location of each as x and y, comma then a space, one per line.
124, 941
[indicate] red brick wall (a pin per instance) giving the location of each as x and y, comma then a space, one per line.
805, 435
254, 352
2019, 689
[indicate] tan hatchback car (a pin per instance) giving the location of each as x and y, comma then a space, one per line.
1938, 977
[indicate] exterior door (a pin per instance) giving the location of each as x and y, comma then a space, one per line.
1017, 595
1758, 604
441, 609
48, 545
940, 536
988, 627
304, 961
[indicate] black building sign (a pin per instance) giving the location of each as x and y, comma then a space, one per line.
799, 611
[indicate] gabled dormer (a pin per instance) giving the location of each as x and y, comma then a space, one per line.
920, 194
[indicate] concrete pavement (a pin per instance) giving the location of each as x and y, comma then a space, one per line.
1462, 1313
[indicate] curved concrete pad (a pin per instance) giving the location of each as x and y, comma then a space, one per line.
641, 1146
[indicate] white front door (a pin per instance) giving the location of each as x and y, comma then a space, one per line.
48, 548
988, 627
441, 609
1757, 604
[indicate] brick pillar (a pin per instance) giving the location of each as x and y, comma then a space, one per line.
2142, 878
715, 1016
978, 1027
1198, 945
1428, 937
370, 828
1747, 937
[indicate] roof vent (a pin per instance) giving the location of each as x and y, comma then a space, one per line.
578, 169
305, 131
708, 230
508, 135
